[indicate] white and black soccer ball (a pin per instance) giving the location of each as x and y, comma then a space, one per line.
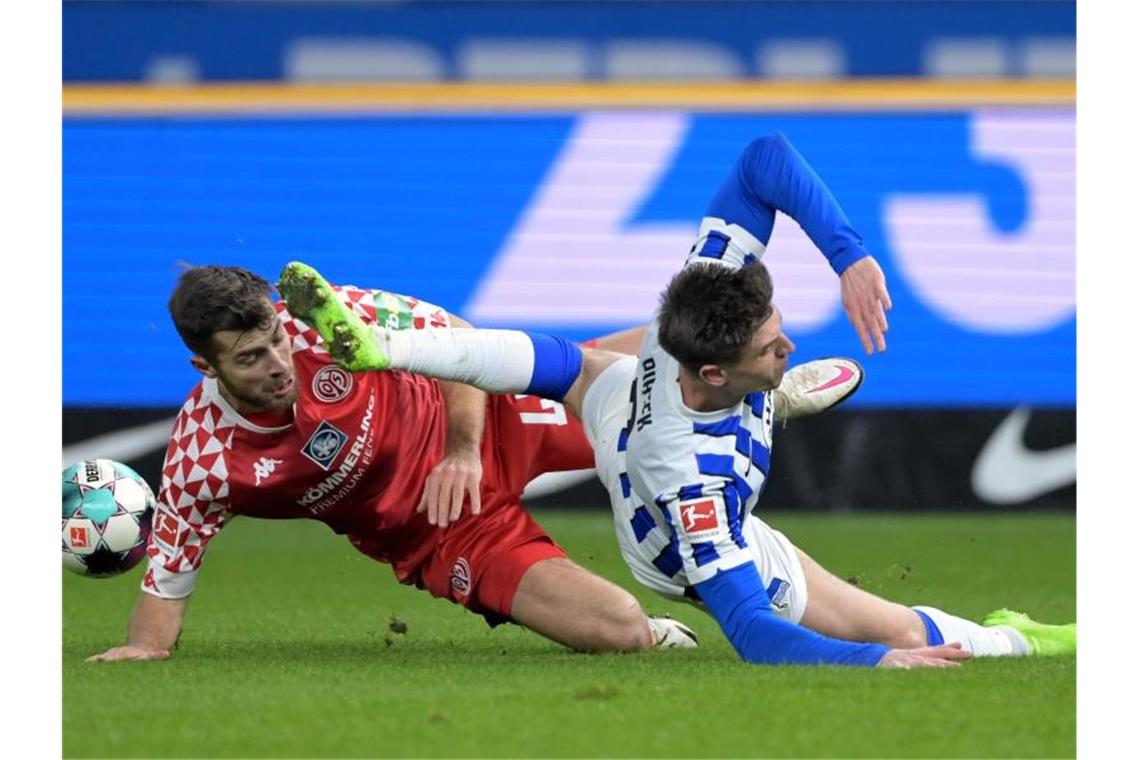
107, 510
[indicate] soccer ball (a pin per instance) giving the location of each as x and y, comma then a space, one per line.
107, 509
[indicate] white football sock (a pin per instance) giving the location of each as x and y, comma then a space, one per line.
498, 361
998, 641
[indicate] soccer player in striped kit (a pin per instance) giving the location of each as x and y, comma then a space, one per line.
682, 433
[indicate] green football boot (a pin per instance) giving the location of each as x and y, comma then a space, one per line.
310, 298
1043, 639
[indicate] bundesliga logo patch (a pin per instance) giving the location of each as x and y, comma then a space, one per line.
699, 516
79, 537
165, 531
324, 444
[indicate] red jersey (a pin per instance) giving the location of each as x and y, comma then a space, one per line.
354, 455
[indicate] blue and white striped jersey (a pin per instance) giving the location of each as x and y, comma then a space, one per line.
686, 481
691, 477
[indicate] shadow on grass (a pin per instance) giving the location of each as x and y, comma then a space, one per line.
370, 648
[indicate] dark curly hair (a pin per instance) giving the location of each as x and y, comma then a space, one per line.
213, 298
710, 312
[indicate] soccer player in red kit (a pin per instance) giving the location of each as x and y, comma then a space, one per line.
277, 430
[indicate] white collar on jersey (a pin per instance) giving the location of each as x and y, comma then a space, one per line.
211, 393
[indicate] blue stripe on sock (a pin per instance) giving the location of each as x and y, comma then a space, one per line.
557, 363
933, 635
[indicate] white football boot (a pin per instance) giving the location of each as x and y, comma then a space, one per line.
671, 634
815, 387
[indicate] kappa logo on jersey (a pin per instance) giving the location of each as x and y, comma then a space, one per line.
324, 444
78, 537
699, 516
461, 577
263, 468
332, 383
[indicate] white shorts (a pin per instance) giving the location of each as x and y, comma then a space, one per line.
605, 411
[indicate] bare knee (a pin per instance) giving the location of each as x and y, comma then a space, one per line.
908, 632
622, 625
569, 604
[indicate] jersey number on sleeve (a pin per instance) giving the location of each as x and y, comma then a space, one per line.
552, 413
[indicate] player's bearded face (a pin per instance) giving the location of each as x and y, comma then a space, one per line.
762, 364
255, 369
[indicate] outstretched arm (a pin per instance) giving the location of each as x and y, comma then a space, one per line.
737, 600
706, 522
153, 630
772, 176
178, 540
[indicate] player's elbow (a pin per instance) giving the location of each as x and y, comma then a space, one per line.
769, 146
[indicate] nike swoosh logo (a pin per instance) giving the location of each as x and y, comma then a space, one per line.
845, 374
1006, 472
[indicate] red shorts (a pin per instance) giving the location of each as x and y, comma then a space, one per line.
480, 567
478, 561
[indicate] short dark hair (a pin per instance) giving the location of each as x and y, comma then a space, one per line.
710, 312
213, 298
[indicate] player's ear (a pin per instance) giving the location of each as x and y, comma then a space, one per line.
203, 366
712, 374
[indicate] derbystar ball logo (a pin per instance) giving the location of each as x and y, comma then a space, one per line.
699, 516
324, 444
91, 471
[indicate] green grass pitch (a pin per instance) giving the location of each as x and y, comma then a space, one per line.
288, 652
